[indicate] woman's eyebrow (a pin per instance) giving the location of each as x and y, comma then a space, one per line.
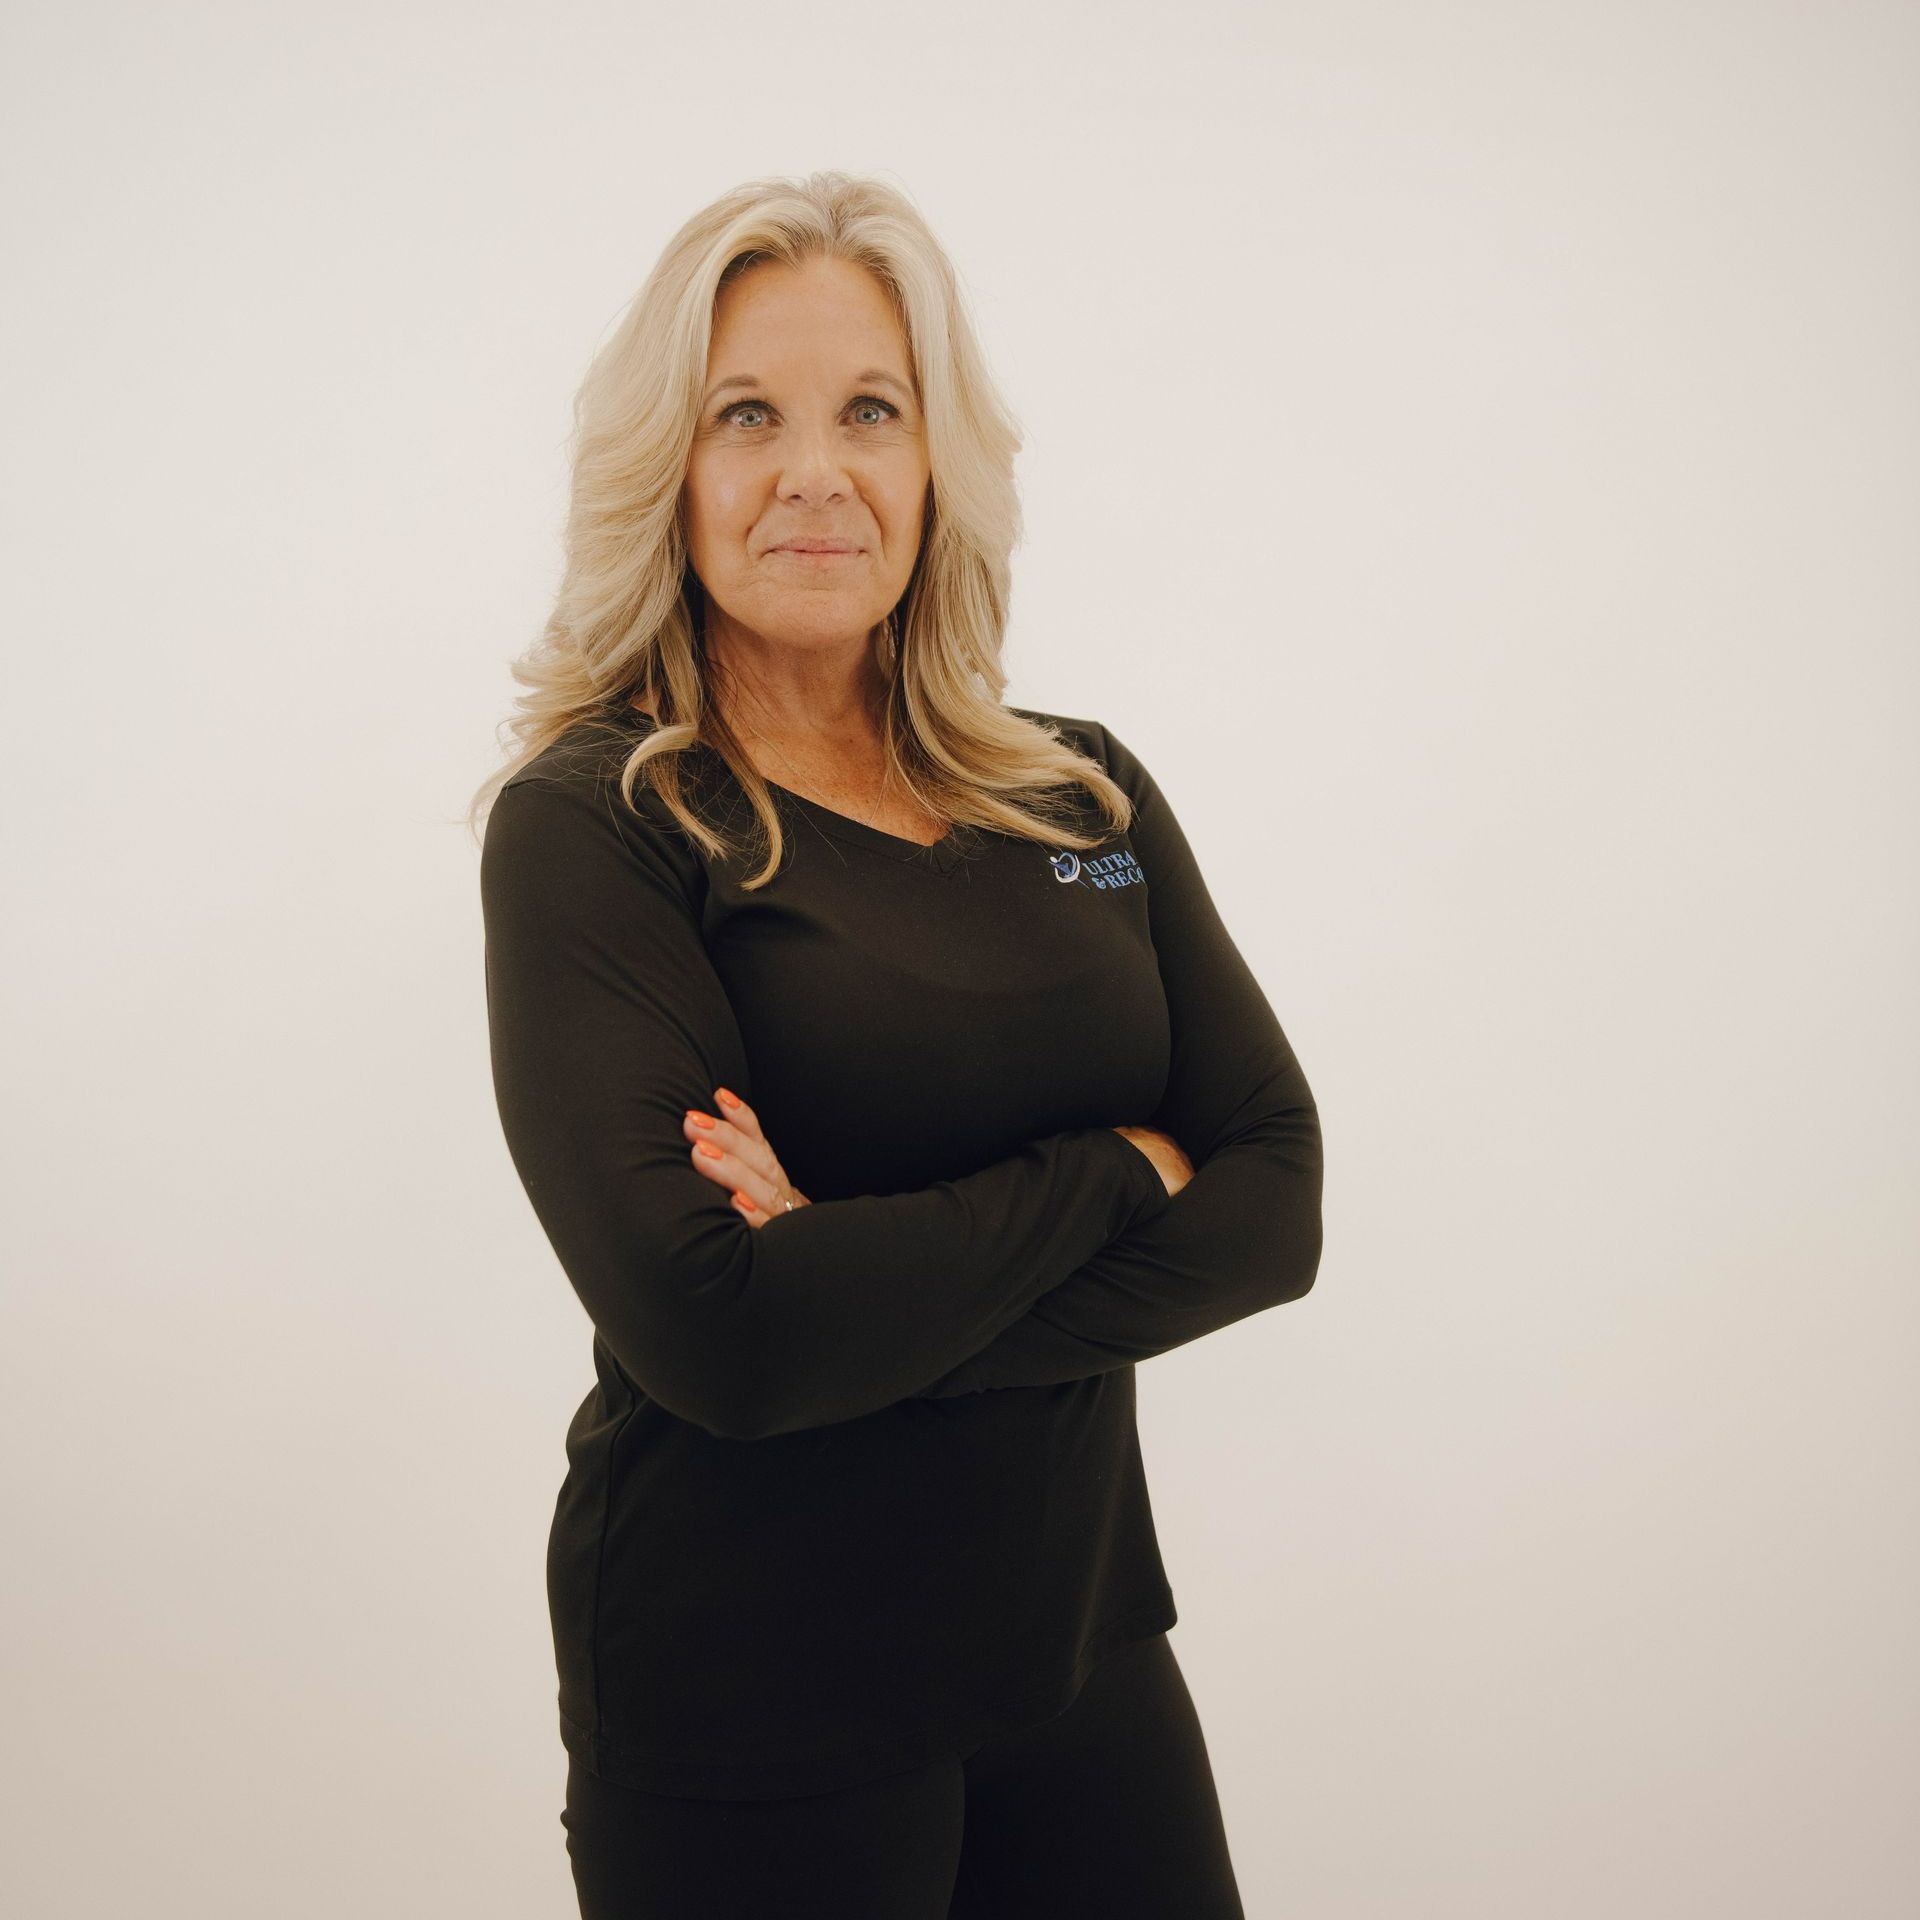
872, 376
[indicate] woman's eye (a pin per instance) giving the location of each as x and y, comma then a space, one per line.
731, 415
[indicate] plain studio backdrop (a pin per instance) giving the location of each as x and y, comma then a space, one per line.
1472, 455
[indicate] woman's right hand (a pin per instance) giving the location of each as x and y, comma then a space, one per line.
1166, 1153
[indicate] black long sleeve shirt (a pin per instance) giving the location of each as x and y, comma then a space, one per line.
863, 1486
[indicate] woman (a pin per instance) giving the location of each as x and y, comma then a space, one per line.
878, 1147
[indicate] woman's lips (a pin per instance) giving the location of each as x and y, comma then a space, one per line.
813, 556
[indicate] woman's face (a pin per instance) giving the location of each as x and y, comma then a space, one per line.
809, 430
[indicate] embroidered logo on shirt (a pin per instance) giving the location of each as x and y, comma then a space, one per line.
1119, 869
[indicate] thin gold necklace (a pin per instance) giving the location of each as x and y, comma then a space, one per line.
864, 820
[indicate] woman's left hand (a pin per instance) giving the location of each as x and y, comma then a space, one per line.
735, 1154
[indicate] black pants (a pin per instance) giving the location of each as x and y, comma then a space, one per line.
1106, 1812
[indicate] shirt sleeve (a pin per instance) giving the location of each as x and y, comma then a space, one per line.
1244, 1233
606, 1021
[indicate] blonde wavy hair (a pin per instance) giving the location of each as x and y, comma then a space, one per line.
627, 624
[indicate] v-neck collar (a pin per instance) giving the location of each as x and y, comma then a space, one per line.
942, 855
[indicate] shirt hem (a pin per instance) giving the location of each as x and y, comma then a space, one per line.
629, 1766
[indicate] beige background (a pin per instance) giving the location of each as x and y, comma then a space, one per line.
1471, 457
